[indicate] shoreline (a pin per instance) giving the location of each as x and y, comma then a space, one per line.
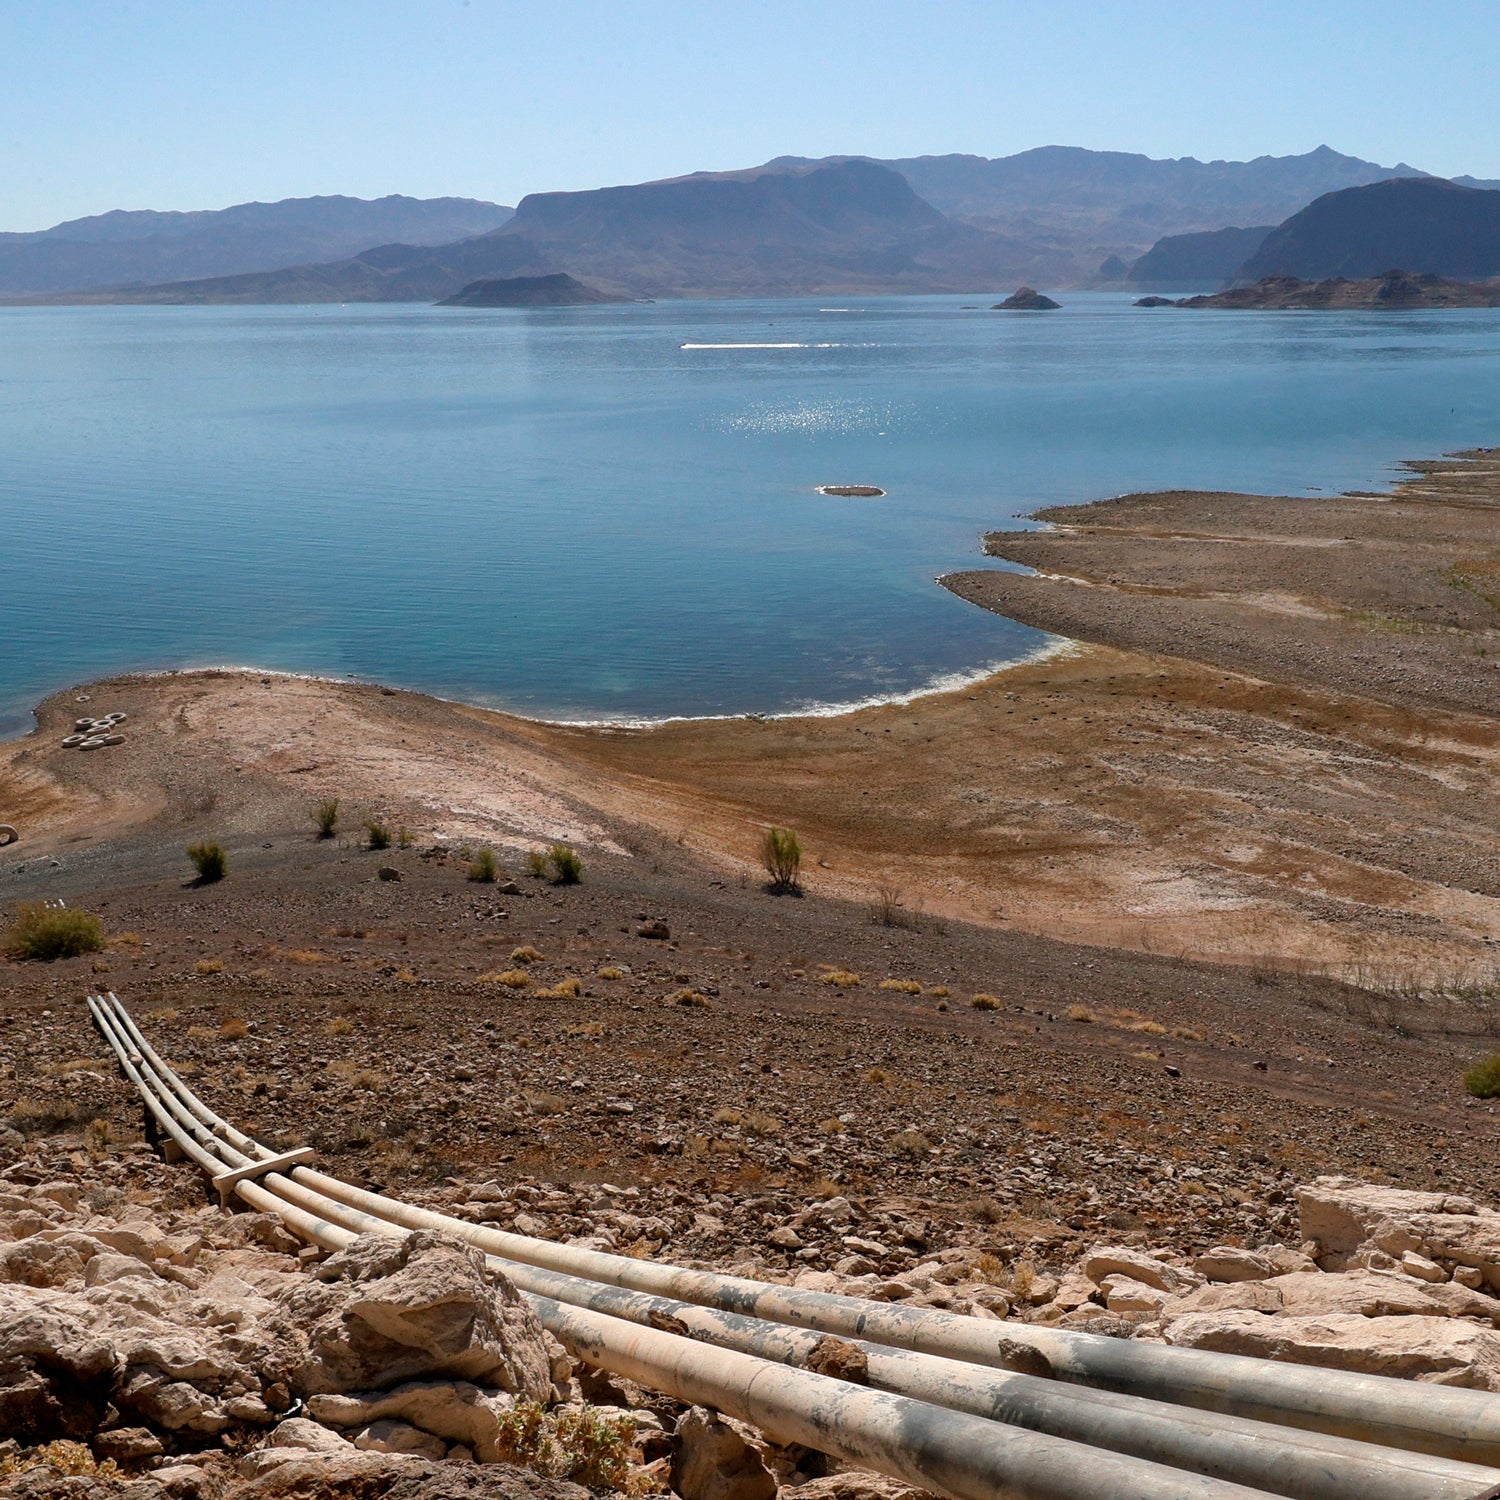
1189, 767
947, 682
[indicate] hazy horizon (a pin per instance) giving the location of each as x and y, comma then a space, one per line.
185, 108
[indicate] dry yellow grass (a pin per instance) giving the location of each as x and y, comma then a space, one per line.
233, 1029
338, 1026
564, 989
526, 954
308, 956
984, 1002
512, 979
209, 966
902, 986
842, 979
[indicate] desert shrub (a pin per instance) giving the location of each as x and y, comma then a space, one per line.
902, 986
840, 978
234, 1029
691, 999
339, 1026
609, 971
377, 834
46, 932
594, 1449
326, 816
526, 954
984, 1002
1081, 1013
534, 862
911, 1143
781, 855
512, 979
1483, 1079
210, 861
209, 966
484, 868
564, 863
564, 989
44, 1116
405, 838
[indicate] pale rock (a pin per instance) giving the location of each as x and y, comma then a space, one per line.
385, 1311
128, 1445
1231, 1263
1124, 1294
1444, 1351
1422, 1268
108, 1266
1120, 1260
387, 1436
1346, 1216
455, 1411
37, 1262
716, 1458
856, 1484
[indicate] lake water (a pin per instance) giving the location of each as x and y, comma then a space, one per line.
571, 514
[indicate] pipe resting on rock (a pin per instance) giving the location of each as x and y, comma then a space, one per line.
737, 1345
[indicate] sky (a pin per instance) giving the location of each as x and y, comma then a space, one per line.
203, 103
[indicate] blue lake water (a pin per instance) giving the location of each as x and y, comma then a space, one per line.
570, 514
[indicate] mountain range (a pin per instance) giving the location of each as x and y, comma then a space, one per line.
1058, 216
125, 247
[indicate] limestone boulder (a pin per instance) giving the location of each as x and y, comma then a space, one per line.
1444, 1351
1136, 1265
455, 1411
716, 1458
1231, 1263
1347, 1217
386, 1311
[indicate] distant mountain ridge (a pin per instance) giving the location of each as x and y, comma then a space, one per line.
1076, 207
1425, 224
849, 226
1053, 217
124, 247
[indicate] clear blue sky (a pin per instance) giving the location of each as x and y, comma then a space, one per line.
202, 103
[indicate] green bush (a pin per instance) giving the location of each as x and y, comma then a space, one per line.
535, 863
781, 854
1483, 1079
377, 834
210, 861
46, 932
326, 816
484, 868
565, 864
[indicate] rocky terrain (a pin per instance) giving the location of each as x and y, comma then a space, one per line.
1390, 292
152, 1346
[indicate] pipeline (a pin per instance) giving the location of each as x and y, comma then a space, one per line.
1268, 1458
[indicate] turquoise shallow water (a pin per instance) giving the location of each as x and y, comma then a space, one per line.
570, 514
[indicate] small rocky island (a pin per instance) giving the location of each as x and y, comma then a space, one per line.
852, 491
1392, 290
560, 290
1026, 299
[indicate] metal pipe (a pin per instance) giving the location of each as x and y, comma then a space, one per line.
960, 1455
1270, 1457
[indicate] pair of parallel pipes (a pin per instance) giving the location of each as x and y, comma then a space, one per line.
945, 1408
